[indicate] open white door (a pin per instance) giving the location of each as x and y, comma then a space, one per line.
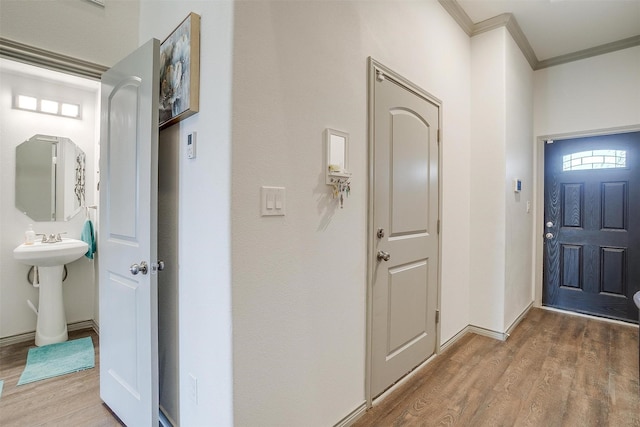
127, 239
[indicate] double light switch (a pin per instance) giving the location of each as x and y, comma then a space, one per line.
272, 201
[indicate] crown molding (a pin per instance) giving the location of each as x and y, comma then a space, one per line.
588, 53
54, 61
459, 15
508, 21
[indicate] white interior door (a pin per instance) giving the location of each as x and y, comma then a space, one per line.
405, 228
128, 225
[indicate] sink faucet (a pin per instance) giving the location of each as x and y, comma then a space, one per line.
51, 238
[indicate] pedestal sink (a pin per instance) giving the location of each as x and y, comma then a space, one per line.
50, 259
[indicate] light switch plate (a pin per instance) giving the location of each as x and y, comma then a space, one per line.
272, 201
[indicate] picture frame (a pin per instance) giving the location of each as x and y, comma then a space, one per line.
180, 72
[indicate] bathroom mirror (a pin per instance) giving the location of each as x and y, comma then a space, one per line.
337, 153
50, 178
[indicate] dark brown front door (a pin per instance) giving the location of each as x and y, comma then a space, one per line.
592, 225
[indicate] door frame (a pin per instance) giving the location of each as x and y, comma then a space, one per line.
372, 67
538, 226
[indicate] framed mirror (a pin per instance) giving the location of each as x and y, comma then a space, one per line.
337, 156
50, 178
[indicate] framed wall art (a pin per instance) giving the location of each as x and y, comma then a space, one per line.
180, 72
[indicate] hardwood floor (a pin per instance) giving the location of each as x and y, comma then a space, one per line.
68, 400
554, 370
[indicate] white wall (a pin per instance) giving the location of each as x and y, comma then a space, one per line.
299, 281
518, 293
17, 126
76, 28
487, 182
501, 150
592, 94
204, 274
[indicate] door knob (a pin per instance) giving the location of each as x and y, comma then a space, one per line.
159, 266
549, 224
383, 256
549, 236
142, 268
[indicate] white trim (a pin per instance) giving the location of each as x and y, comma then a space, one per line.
519, 319
28, 336
588, 53
464, 331
459, 15
508, 20
501, 336
403, 380
353, 416
53, 61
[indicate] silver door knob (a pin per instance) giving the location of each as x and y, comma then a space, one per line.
142, 268
384, 256
549, 236
549, 224
159, 266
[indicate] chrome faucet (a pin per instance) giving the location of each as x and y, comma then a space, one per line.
51, 238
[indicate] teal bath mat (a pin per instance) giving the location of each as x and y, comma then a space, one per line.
58, 359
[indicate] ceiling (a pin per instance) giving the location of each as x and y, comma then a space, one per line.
560, 27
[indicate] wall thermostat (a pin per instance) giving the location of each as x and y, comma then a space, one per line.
191, 145
517, 185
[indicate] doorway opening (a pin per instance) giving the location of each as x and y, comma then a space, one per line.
590, 235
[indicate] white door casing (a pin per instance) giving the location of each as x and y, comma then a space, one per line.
404, 254
128, 226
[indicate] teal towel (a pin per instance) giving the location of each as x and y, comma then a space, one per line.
89, 237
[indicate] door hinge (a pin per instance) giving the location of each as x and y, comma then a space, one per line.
437, 316
438, 228
439, 136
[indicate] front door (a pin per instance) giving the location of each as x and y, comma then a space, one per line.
405, 244
127, 238
592, 226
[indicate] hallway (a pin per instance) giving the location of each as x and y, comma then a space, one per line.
555, 370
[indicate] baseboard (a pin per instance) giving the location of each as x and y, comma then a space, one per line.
455, 338
353, 416
29, 336
501, 336
519, 318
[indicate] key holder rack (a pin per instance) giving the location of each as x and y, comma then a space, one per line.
337, 164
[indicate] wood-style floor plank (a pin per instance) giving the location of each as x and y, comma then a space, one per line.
67, 400
555, 370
